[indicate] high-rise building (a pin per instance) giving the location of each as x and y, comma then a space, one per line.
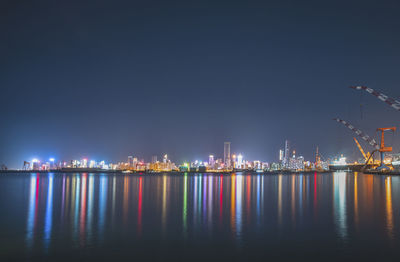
130, 161
286, 156
154, 159
227, 154
240, 161
84, 163
211, 161
280, 155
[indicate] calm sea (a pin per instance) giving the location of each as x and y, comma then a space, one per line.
199, 217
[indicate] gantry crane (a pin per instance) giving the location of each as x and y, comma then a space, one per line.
381, 148
384, 148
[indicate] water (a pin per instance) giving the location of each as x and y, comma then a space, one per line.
110, 217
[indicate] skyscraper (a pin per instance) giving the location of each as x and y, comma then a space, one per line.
240, 161
280, 155
286, 156
154, 159
211, 161
227, 154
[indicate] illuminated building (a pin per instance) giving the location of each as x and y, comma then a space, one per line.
227, 154
275, 166
233, 162
280, 155
295, 163
92, 164
35, 164
286, 156
211, 161
240, 161
154, 159
52, 164
257, 164
130, 161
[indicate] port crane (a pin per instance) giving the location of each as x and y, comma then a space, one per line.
381, 148
365, 155
384, 148
388, 100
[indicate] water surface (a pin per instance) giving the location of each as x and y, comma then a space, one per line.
195, 217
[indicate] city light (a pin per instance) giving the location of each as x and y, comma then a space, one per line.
228, 163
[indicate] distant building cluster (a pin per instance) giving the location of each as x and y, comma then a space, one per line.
293, 163
229, 162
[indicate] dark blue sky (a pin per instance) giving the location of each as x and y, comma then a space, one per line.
106, 79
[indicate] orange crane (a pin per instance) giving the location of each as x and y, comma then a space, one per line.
381, 148
384, 148
367, 155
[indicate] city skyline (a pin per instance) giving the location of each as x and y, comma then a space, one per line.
230, 161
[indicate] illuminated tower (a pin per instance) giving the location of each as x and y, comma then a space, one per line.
227, 154
280, 155
240, 161
154, 159
130, 161
211, 161
233, 161
286, 156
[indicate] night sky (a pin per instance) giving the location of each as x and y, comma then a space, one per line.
108, 79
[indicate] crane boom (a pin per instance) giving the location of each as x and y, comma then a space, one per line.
360, 133
360, 148
388, 100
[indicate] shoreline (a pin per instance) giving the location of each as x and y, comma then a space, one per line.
250, 172
121, 172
